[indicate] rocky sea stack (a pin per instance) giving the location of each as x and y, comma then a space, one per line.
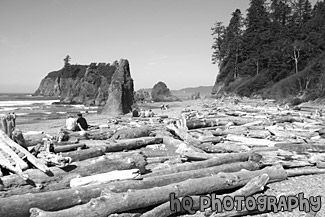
120, 92
161, 93
93, 84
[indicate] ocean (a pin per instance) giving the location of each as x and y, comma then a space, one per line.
30, 108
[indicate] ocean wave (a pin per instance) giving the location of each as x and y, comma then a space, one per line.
26, 102
8, 109
61, 112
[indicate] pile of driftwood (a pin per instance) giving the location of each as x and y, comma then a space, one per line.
131, 166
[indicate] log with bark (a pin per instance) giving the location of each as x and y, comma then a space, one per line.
130, 133
255, 185
222, 159
62, 199
66, 148
84, 154
195, 124
110, 202
130, 144
61, 177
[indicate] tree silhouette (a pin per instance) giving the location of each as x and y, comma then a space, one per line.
67, 60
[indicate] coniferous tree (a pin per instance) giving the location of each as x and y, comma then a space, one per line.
218, 33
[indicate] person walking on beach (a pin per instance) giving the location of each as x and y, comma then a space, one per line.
82, 124
14, 119
71, 123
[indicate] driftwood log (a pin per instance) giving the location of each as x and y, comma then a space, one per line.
61, 177
33, 160
66, 148
110, 202
103, 178
132, 133
253, 186
107, 146
223, 159
62, 199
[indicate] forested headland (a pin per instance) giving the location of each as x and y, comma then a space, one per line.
277, 50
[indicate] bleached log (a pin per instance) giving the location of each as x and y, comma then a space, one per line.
103, 178
304, 171
5, 163
5, 148
60, 179
36, 162
110, 202
250, 141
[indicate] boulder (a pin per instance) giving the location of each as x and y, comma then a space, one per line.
120, 92
161, 93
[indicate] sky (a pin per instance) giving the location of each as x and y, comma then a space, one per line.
164, 40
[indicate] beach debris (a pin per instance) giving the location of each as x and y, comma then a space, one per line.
226, 144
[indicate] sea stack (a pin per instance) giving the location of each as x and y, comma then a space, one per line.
120, 92
161, 93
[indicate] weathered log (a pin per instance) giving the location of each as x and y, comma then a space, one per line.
84, 154
33, 139
300, 147
259, 134
253, 186
4, 125
195, 124
97, 134
36, 162
5, 148
18, 137
184, 135
132, 133
61, 177
304, 171
62, 199
222, 159
250, 141
129, 144
103, 178
5, 163
110, 202
180, 145
65, 148
212, 139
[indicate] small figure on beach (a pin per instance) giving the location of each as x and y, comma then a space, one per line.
135, 113
164, 107
151, 114
142, 113
71, 123
14, 116
82, 124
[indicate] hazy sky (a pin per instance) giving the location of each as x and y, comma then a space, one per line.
164, 40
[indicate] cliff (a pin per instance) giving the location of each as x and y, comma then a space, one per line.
79, 84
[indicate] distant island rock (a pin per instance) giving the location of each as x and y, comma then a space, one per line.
87, 84
161, 93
